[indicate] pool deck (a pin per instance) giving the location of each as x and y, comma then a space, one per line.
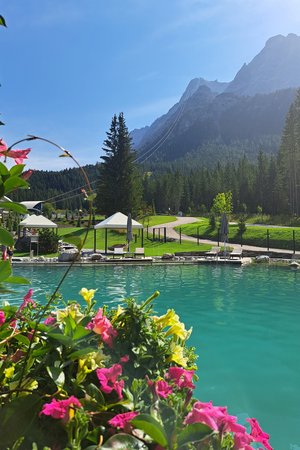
183, 260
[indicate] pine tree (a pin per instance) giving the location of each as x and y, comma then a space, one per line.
119, 186
289, 157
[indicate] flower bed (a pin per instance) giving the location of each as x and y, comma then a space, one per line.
84, 378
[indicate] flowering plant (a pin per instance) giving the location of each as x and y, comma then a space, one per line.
81, 377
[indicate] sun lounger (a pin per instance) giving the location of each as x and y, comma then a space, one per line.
213, 252
139, 251
118, 251
236, 253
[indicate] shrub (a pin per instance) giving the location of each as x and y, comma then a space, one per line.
48, 241
108, 378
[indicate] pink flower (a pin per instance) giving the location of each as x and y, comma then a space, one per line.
50, 320
109, 379
26, 175
124, 359
258, 434
241, 441
216, 417
160, 388
101, 325
17, 155
2, 318
27, 300
181, 377
121, 420
61, 409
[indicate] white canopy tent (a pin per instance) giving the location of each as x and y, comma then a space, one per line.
36, 222
116, 221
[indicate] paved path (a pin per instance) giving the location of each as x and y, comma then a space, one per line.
171, 233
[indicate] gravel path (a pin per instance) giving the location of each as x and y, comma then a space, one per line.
171, 233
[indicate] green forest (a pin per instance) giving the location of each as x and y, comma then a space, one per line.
268, 183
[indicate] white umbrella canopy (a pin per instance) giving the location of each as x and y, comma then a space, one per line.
117, 220
37, 222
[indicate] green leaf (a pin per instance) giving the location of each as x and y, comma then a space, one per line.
82, 352
194, 433
2, 21
5, 270
123, 441
6, 238
13, 183
17, 418
66, 340
57, 375
80, 332
17, 280
3, 169
22, 339
12, 206
91, 197
95, 394
17, 169
152, 427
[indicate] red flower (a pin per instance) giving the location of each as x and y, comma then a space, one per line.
2, 318
181, 377
27, 300
61, 409
17, 155
160, 388
258, 434
101, 325
109, 380
121, 420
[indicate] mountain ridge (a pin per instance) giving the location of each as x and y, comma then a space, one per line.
254, 104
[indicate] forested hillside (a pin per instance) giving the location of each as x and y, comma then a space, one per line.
61, 188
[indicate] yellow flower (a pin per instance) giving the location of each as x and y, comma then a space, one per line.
179, 330
177, 355
168, 319
9, 372
118, 312
90, 363
87, 294
72, 310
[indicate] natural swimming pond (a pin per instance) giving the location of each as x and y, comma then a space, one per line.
246, 329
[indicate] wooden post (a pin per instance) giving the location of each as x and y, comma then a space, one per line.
198, 235
294, 242
159, 234
268, 240
165, 234
218, 237
142, 240
95, 244
153, 234
180, 235
105, 240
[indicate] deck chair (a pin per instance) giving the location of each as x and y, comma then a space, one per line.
213, 252
236, 253
139, 251
118, 251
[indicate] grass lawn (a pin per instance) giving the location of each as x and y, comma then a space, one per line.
254, 235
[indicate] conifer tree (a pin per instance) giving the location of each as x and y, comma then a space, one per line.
289, 157
119, 185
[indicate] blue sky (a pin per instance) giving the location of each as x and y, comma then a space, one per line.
69, 65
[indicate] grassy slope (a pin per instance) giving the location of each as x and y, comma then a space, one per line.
254, 235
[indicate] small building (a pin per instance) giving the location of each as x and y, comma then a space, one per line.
34, 206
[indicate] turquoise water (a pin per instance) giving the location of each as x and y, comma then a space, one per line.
246, 329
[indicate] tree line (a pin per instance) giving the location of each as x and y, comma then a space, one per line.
270, 183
